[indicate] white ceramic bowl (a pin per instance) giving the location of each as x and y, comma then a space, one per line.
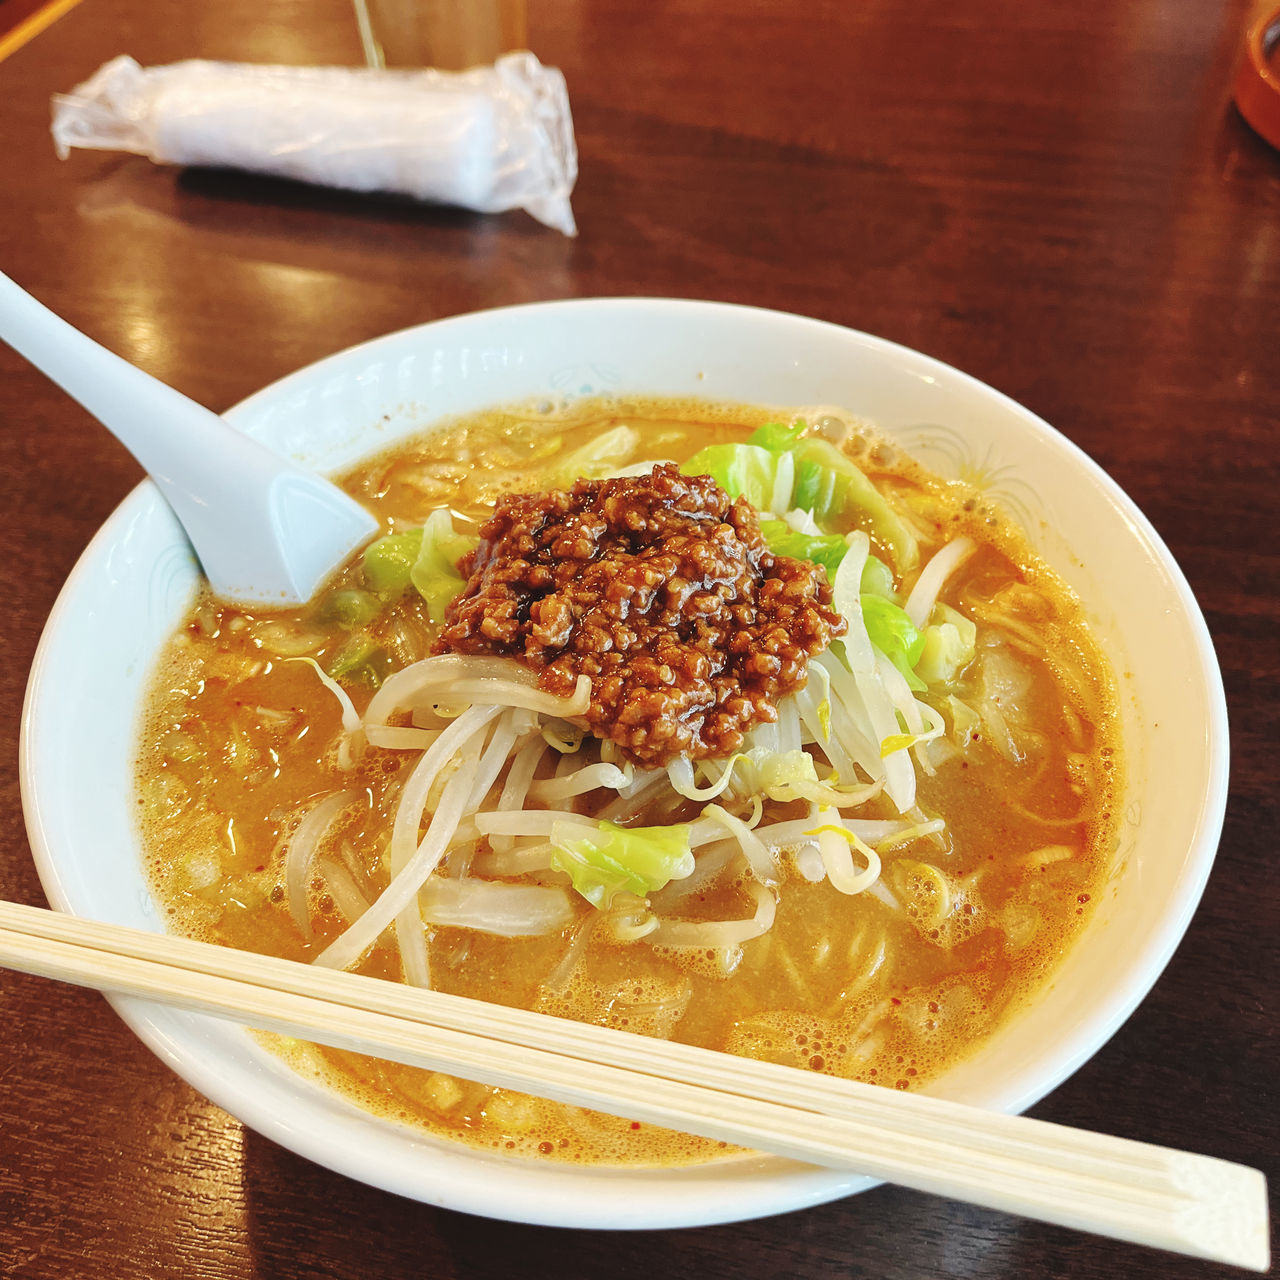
133, 582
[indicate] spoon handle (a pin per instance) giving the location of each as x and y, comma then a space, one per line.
266, 530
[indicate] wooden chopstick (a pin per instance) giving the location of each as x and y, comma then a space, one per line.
1151, 1195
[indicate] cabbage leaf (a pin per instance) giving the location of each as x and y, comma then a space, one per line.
426, 558
435, 571
768, 771
830, 485
777, 437
826, 549
965, 721
360, 659
827, 483
595, 459
895, 635
741, 470
388, 562
350, 607
877, 579
613, 859
949, 645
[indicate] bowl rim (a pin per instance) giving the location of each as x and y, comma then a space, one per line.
744, 1189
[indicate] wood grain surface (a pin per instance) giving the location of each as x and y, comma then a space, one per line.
1056, 197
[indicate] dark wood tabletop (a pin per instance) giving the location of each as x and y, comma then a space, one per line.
1057, 197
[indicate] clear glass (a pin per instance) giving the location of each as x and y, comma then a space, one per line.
449, 34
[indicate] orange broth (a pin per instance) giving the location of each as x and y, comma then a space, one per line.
889, 988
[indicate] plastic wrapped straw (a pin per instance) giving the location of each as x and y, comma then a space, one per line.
489, 139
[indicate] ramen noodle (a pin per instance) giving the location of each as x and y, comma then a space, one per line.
700, 721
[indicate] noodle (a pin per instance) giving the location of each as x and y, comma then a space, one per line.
843, 867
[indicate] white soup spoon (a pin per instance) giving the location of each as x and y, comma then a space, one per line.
266, 530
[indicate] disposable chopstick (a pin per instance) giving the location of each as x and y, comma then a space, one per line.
1142, 1166
1151, 1195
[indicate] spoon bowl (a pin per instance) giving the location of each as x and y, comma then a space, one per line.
266, 531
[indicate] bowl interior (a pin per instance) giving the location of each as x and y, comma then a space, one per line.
135, 579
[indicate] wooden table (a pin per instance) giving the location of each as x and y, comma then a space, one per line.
1056, 197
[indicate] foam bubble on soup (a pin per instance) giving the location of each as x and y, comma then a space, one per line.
696, 720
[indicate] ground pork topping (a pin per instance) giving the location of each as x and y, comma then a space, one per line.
662, 590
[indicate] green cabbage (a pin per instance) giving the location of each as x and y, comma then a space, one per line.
965, 721
427, 558
350, 607
827, 483
614, 859
891, 631
360, 658
877, 579
895, 635
435, 571
949, 644
389, 561
826, 549
777, 437
768, 771
830, 485
741, 470
597, 458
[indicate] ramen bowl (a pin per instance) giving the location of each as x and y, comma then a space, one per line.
136, 579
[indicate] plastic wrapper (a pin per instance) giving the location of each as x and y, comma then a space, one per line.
489, 139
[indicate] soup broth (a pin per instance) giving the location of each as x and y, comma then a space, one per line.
983, 880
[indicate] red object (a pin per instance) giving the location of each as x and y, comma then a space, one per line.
1257, 88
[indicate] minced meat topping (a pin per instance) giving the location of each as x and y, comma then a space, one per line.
662, 590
